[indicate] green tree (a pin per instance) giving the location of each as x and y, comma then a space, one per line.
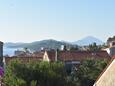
52, 74
75, 48
10, 79
94, 47
35, 73
88, 71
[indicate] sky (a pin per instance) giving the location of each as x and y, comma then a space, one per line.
69, 20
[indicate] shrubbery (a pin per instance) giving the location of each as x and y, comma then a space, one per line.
52, 74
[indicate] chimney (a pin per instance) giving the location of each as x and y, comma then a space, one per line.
1, 53
56, 55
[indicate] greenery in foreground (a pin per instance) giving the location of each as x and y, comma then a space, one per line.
52, 74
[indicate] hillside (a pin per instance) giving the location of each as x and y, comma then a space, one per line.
88, 40
49, 44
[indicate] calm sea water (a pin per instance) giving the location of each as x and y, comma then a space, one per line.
9, 51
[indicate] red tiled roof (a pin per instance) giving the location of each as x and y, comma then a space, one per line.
75, 55
63, 56
51, 55
80, 55
22, 59
38, 54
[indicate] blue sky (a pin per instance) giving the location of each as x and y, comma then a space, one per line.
70, 20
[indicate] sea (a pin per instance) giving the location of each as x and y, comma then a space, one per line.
8, 51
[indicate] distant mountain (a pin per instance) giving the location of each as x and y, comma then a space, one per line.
53, 44
88, 40
37, 45
10, 44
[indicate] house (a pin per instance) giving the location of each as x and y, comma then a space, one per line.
111, 42
46, 55
107, 78
81, 55
111, 46
36, 56
112, 51
73, 58
69, 57
7, 60
22, 52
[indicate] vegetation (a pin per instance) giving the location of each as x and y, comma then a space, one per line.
35, 74
94, 47
111, 39
88, 72
48, 44
52, 74
76, 48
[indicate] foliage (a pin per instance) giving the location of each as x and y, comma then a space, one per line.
35, 74
11, 80
94, 47
52, 74
76, 48
48, 44
111, 39
88, 72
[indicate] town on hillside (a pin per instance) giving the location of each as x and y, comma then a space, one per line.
64, 66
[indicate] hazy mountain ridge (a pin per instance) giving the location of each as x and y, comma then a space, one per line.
13, 45
37, 45
53, 44
88, 40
